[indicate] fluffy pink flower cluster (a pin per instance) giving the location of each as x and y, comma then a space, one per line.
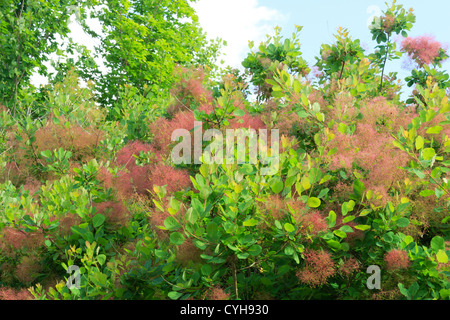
319, 267
370, 146
423, 49
312, 223
141, 179
217, 293
396, 259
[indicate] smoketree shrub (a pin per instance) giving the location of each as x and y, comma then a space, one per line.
93, 206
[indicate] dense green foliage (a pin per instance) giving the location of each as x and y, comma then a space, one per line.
88, 178
29, 30
142, 43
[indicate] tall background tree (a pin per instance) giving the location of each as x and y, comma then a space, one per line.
142, 42
29, 33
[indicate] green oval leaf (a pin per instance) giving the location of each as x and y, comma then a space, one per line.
362, 227
289, 227
348, 219
277, 185
428, 153
346, 229
340, 233
177, 238
437, 243
442, 256
426, 193
331, 219
174, 295
419, 143
334, 244
255, 250
388, 237
46, 154
206, 269
434, 130
171, 223
289, 251
98, 220
402, 222
250, 223
239, 112
101, 259
314, 202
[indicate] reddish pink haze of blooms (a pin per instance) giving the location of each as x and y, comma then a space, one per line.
175, 179
163, 129
315, 73
248, 122
28, 269
67, 222
18, 239
15, 294
319, 267
125, 156
32, 185
105, 177
370, 147
349, 266
422, 49
115, 212
141, 179
217, 293
136, 180
206, 107
187, 252
274, 207
396, 259
388, 23
191, 85
312, 223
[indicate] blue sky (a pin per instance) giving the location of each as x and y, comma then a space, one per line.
321, 18
239, 21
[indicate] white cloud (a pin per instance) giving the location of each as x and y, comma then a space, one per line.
237, 22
